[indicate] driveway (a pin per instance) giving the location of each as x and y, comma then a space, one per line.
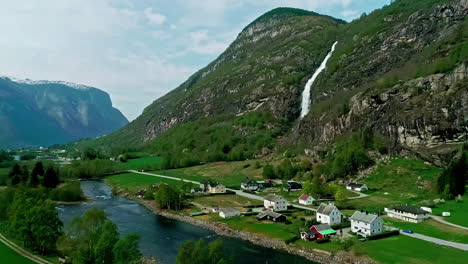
361, 195
438, 241
442, 221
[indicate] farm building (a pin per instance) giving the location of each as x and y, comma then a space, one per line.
306, 199
271, 216
408, 213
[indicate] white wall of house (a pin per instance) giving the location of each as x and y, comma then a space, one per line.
367, 229
217, 189
309, 201
332, 219
280, 205
229, 214
405, 216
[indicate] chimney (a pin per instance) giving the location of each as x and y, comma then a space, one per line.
362, 211
367, 212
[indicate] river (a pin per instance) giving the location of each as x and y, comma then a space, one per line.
161, 236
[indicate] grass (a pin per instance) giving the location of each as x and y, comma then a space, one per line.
228, 173
408, 250
3, 175
7, 255
432, 228
226, 201
145, 163
133, 182
458, 211
398, 181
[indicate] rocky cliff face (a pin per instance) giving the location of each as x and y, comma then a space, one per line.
375, 77
41, 112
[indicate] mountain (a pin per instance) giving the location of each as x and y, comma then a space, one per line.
398, 74
41, 113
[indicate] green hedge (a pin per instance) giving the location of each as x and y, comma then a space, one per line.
384, 235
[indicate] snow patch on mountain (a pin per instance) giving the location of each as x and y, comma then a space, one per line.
44, 82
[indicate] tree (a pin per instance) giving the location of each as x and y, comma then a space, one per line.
126, 250
38, 171
201, 252
167, 198
45, 227
51, 179
185, 252
340, 195
269, 172
454, 178
15, 175
105, 245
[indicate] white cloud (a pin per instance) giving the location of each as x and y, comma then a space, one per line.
154, 18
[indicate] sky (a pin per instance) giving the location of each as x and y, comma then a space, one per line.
136, 50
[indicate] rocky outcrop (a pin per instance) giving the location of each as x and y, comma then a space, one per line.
427, 116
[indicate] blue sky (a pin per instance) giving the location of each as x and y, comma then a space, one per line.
136, 50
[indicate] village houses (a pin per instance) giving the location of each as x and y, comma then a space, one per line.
275, 203
366, 224
318, 232
306, 199
271, 216
292, 186
408, 213
328, 214
249, 185
214, 187
357, 187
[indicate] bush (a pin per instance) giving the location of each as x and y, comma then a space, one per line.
70, 192
322, 240
384, 235
291, 240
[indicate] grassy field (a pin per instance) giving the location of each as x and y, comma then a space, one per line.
458, 211
3, 175
133, 182
228, 173
7, 255
399, 181
145, 163
226, 201
432, 228
408, 250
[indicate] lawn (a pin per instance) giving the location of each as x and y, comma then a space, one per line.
228, 173
432, 228
3, 175
226, 201
7, 255
458, 211
133, 182
407, 250
145, 163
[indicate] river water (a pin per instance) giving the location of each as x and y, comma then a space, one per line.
161, 236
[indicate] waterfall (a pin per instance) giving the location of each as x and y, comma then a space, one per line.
305, 105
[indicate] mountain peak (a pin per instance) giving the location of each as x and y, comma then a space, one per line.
45, 82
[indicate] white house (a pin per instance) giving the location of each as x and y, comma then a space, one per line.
366, 224
275, 203
306, 199
229, 212
427, 209
408, 213
328, 214
357, 187
214, 187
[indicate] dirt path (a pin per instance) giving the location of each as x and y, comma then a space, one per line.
22, 252
361, 195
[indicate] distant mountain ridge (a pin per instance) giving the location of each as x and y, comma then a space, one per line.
41, 113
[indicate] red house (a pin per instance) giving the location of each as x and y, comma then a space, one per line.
318, 232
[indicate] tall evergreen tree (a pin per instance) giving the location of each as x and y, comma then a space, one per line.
37, 172
15, 175
51, 179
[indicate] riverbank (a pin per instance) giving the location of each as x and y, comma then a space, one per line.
315, 255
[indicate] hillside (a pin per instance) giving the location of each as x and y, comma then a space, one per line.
398, 73
41, 113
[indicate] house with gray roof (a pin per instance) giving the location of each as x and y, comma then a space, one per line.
408, 213
366, 224
328, 214
275, 203
271, 216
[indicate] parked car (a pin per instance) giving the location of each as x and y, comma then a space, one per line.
409, 231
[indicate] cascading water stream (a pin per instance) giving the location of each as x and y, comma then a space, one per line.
305, 106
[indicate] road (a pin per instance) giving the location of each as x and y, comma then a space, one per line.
361, 195
438, 241
22, 252
238, 192
441, 220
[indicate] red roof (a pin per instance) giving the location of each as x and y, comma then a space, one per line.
304, 197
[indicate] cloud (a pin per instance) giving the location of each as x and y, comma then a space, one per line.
154, 18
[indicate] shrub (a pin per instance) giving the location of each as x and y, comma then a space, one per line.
70, 192
384, 235
291, 240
